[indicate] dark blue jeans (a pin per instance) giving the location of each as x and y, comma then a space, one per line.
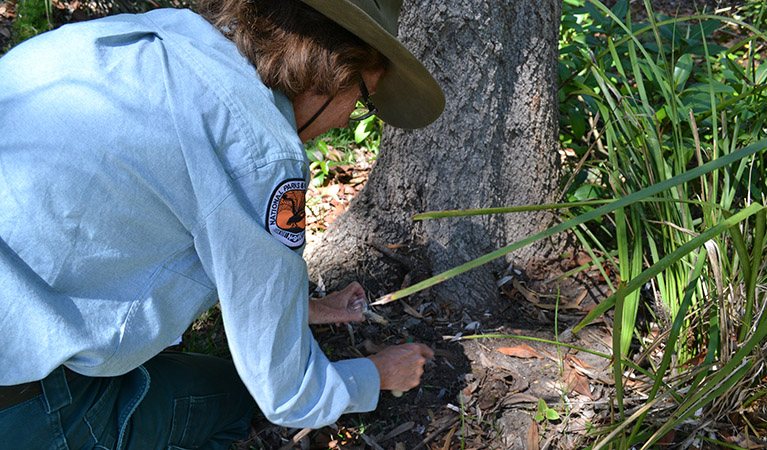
174, 401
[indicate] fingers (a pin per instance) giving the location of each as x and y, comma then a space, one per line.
425, 350
357, 304
321, 311
354, 291
342, 306
400, 367
355, 316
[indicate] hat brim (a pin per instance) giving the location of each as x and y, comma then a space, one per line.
407, 96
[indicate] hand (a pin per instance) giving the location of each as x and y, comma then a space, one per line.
339, 307
400, 367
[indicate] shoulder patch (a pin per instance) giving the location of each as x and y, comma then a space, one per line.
286, 213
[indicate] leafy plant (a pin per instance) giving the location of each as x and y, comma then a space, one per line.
337, 148
32, 18
545, 413
320, 162
755, 12
101, 8
369, 131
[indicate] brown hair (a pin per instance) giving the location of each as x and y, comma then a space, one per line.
294, 48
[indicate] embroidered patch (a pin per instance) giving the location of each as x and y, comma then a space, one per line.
286, 213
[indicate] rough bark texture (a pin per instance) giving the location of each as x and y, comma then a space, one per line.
495, 145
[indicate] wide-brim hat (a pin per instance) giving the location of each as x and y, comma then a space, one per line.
407, 96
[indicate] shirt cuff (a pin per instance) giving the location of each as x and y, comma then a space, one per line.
362, 382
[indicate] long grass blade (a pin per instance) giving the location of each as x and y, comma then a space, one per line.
669, 259
689, 408
548, 206
673, 336
756, 261
583, 218
618, 330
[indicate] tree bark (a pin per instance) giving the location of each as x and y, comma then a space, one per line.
495, 145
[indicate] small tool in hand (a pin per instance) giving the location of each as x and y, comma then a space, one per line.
360, 303
388, 298
370, 315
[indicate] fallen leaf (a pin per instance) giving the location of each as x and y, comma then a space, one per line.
532, 436
407, 426
529, 295
520, 351
333, 190
577, 362
667, 439
695, 360
581, 259
519, 398
486, 362
577, 382
410, 310
449, 438
580, 297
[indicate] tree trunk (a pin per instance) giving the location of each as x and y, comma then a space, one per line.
495, 145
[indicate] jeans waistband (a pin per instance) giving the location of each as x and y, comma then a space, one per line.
54, 386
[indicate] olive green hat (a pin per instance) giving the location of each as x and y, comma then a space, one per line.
407, 96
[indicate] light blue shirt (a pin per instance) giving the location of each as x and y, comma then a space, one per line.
138, 158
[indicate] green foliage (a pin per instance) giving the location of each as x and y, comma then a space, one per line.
110, 7
545, 413
754, 12
37, 16
658, 97
338, 147
32, 18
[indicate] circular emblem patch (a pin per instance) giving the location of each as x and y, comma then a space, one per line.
286, 214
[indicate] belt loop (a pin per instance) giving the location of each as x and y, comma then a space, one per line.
56, 390
139, 380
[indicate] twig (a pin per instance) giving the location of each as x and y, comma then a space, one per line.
390, 254
407, 426
436, 434
296, 438
371, 442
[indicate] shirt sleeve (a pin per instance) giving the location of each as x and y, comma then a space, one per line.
263, 289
